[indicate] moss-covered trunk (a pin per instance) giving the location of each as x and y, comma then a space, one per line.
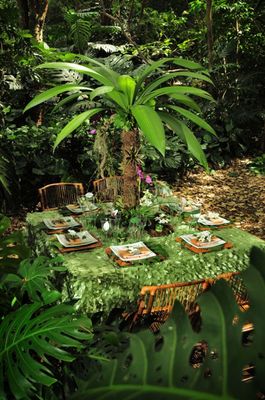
130, 150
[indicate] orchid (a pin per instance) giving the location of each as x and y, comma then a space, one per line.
148, 179
140, 172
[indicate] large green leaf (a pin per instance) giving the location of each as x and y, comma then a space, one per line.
66, 100
156, 367
187, 101
169, 76
119, 98
74, 124
28, 336
149, 69
178, 89
36, 276
127, 86
157, 64
50, 93
194, 118
4, 174
150, 124
101, 91
189, 64
186, 136
12, 248
92, 72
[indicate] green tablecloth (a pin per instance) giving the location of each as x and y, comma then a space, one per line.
97, 285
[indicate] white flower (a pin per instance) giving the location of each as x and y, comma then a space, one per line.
161, 220
89, 195
72, 232
114, 213
204, 236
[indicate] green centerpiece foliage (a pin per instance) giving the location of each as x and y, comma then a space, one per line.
147, 102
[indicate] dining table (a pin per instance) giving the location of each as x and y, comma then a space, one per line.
95, 283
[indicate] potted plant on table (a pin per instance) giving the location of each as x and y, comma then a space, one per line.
143, 102
160, 226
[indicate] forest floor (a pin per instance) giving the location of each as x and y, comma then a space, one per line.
236, 193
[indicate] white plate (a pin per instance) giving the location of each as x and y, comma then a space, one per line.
206, 245
67, 222
141, 251
79, 210
85, 236
205, 221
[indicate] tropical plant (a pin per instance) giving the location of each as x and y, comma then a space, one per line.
160, 366
140, 103
12, 248
34, 277
4, 181
258, 165
34, 331
33, 336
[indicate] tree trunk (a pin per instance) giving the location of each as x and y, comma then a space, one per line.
209, 24
130, 149
40, 10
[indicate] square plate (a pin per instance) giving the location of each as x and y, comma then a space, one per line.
213, 221
203, 245
83, 238
61, 223
132, 252
76, 209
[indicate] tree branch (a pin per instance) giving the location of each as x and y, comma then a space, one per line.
126, 32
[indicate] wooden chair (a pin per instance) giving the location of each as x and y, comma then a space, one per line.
60, 194
107, 189
156, 302
241, 296
237, 285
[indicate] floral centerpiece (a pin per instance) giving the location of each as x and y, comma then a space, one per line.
159, 226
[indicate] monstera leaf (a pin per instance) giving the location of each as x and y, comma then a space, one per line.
34, 276
12, 248
30, 338
159, 367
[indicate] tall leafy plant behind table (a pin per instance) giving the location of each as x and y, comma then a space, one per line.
146, 102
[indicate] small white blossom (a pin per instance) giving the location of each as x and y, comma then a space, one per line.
72, 232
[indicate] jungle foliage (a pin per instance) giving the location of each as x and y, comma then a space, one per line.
37, 331
125, 36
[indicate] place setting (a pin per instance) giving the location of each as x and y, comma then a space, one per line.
60, 224
134, 253
203, 242
212, 220
85, 204
72, 241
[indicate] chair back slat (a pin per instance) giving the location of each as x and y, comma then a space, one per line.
237, 285
158, 301
60, 194
107, 189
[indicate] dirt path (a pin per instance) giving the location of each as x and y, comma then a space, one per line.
235, 193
